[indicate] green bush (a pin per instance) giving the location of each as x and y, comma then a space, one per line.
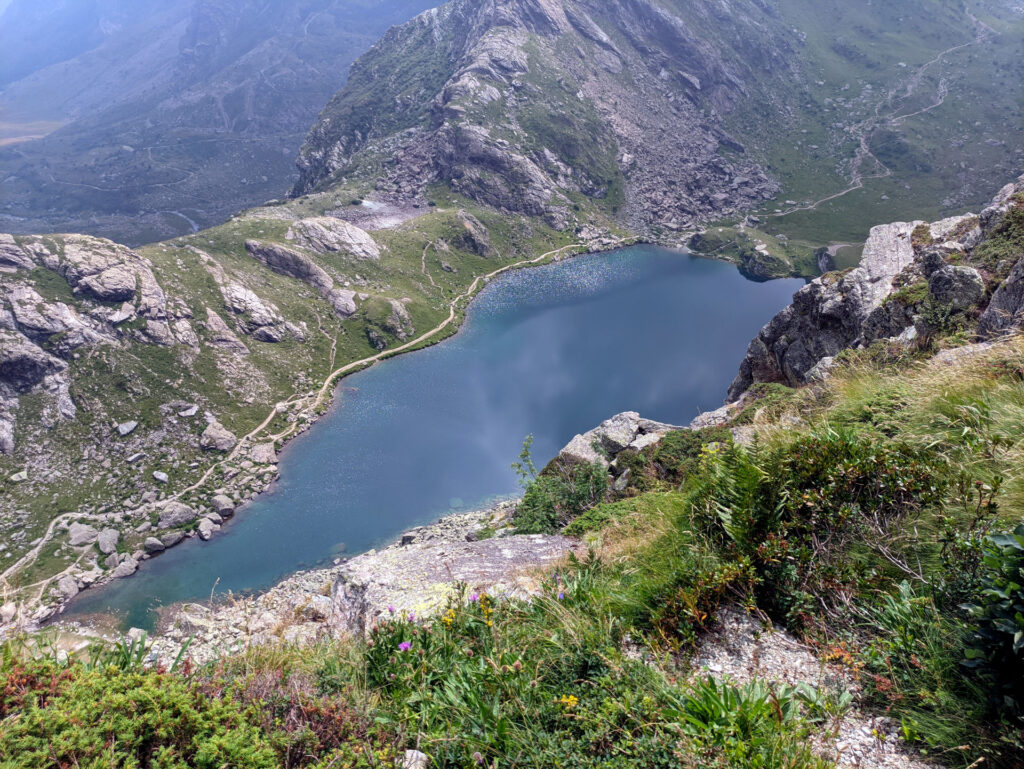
560, 494
94, 718
798, 511
997, 646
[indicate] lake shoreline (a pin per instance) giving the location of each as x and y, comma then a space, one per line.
311, 415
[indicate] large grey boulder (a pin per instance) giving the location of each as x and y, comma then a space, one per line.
80, 534
221, 335
294, 264
67, 586
206, 528
171, 538
291, 263
959, 287
216, 437
107, 541
114, 284
473, 236
223, 504
126, 568
264, 454
153, 545
176, 513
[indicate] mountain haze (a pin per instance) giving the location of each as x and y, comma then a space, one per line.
169, 116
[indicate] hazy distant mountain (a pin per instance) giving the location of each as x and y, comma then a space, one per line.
166, 113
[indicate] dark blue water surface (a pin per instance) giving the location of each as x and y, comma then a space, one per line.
550, 351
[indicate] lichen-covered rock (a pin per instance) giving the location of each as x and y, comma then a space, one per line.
175, 513
959, 287
80, 534
216, 437
107, 541
327, 234
626, 430
1006, 310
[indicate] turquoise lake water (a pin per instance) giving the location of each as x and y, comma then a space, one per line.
550, 351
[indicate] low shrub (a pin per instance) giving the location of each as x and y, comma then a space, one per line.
115, 718
996, 650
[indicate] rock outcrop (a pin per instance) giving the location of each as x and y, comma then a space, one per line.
327, 234
910, 272
294, 264
623, 431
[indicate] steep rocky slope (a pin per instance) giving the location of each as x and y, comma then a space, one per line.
544, 107
916, 280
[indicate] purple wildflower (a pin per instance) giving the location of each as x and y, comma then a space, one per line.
404, 646
473, 598
561, 596
391, 609
412, 616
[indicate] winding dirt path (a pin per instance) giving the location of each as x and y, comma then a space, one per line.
310, 402
863, 130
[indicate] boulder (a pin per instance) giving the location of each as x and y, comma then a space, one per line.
264, 454
114, 284
107, 541
206, 528
171, 538
80, 534
153, 545
221, 336
960, 287
126, 568
126, 428
176, 513
67, 586
216, 437
223, 505
290, 263
473, 236
160, 477
626, 430
294, 264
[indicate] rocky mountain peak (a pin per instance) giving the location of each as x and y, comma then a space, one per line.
540, 106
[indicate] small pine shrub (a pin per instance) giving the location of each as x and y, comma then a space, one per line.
997, 646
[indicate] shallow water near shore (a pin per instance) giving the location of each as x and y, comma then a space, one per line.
550, 351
